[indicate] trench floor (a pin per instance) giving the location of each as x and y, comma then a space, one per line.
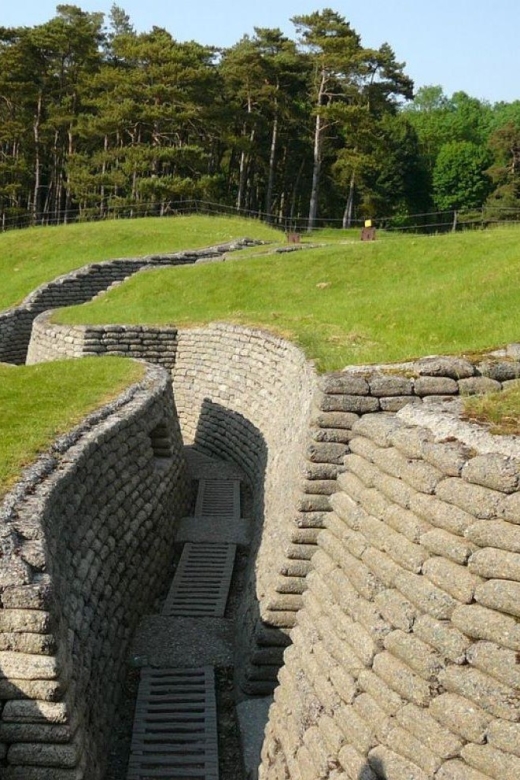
188, 721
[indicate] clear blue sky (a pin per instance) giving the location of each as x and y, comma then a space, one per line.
469, 45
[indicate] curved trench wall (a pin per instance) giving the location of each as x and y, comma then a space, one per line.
246, 396
82, 285
404, 656
86, 539
404, 663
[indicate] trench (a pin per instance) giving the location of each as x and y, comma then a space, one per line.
184, 714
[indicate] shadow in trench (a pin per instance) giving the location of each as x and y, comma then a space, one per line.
259, 647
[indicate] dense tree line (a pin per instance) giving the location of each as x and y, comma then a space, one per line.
96, 118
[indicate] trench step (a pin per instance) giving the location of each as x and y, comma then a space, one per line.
202, 580
218, 498
175, 726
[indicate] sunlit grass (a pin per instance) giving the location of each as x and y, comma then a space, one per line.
343, 303
30, 257
499, 411
40, 402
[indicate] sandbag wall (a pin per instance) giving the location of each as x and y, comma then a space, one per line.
82, 285
245, 395
404, 662
87, 538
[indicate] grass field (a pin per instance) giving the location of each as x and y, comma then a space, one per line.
30, 257
40, 402
343, 303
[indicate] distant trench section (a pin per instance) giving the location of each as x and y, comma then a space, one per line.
82, 285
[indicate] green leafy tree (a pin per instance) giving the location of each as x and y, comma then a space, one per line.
459, 178
345, 77
505, 169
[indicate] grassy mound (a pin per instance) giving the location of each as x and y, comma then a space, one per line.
28, 258
40, 402
344, 303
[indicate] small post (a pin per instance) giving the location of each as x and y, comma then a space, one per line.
368, 233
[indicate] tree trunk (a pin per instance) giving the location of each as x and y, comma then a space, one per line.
37, 162
349, 206
316, 166
270, 180
316, 170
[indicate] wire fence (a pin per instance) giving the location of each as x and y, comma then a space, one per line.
425, 223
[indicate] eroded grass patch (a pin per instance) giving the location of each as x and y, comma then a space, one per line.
499, 411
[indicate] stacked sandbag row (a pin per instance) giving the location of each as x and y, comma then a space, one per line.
245, 395
83, 284
404, 657
87, 540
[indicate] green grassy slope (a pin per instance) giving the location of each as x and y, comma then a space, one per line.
40, 402
345, 303
28, 258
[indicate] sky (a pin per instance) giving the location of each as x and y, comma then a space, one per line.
468, 45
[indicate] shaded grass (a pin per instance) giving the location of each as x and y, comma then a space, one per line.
30, 257
344, 303
40, 402
499, 411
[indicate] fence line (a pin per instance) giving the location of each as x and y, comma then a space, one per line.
427, 222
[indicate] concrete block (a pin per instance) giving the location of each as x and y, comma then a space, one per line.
406, 523
355, 404
385, 763
335, 419
509, 508
504, 736
492, 696
494, 471
381, 565
357, 731
395, 490
495, 533
448, 545
500, 595
459, 770
495, 564
390, 385
343, 384
478, 385
377, 427
438, 385
430, 733
482, 623
402, 680
454, 367
355, 764
425, 595
461, 717
362, 468
441, 514
395, 609
492, 762
481, 502
453, 578
407, 746
410, 441
415, 654
499, 662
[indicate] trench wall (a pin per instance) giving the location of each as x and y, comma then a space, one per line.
86, 537
247, 396
82, 285
404, 658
